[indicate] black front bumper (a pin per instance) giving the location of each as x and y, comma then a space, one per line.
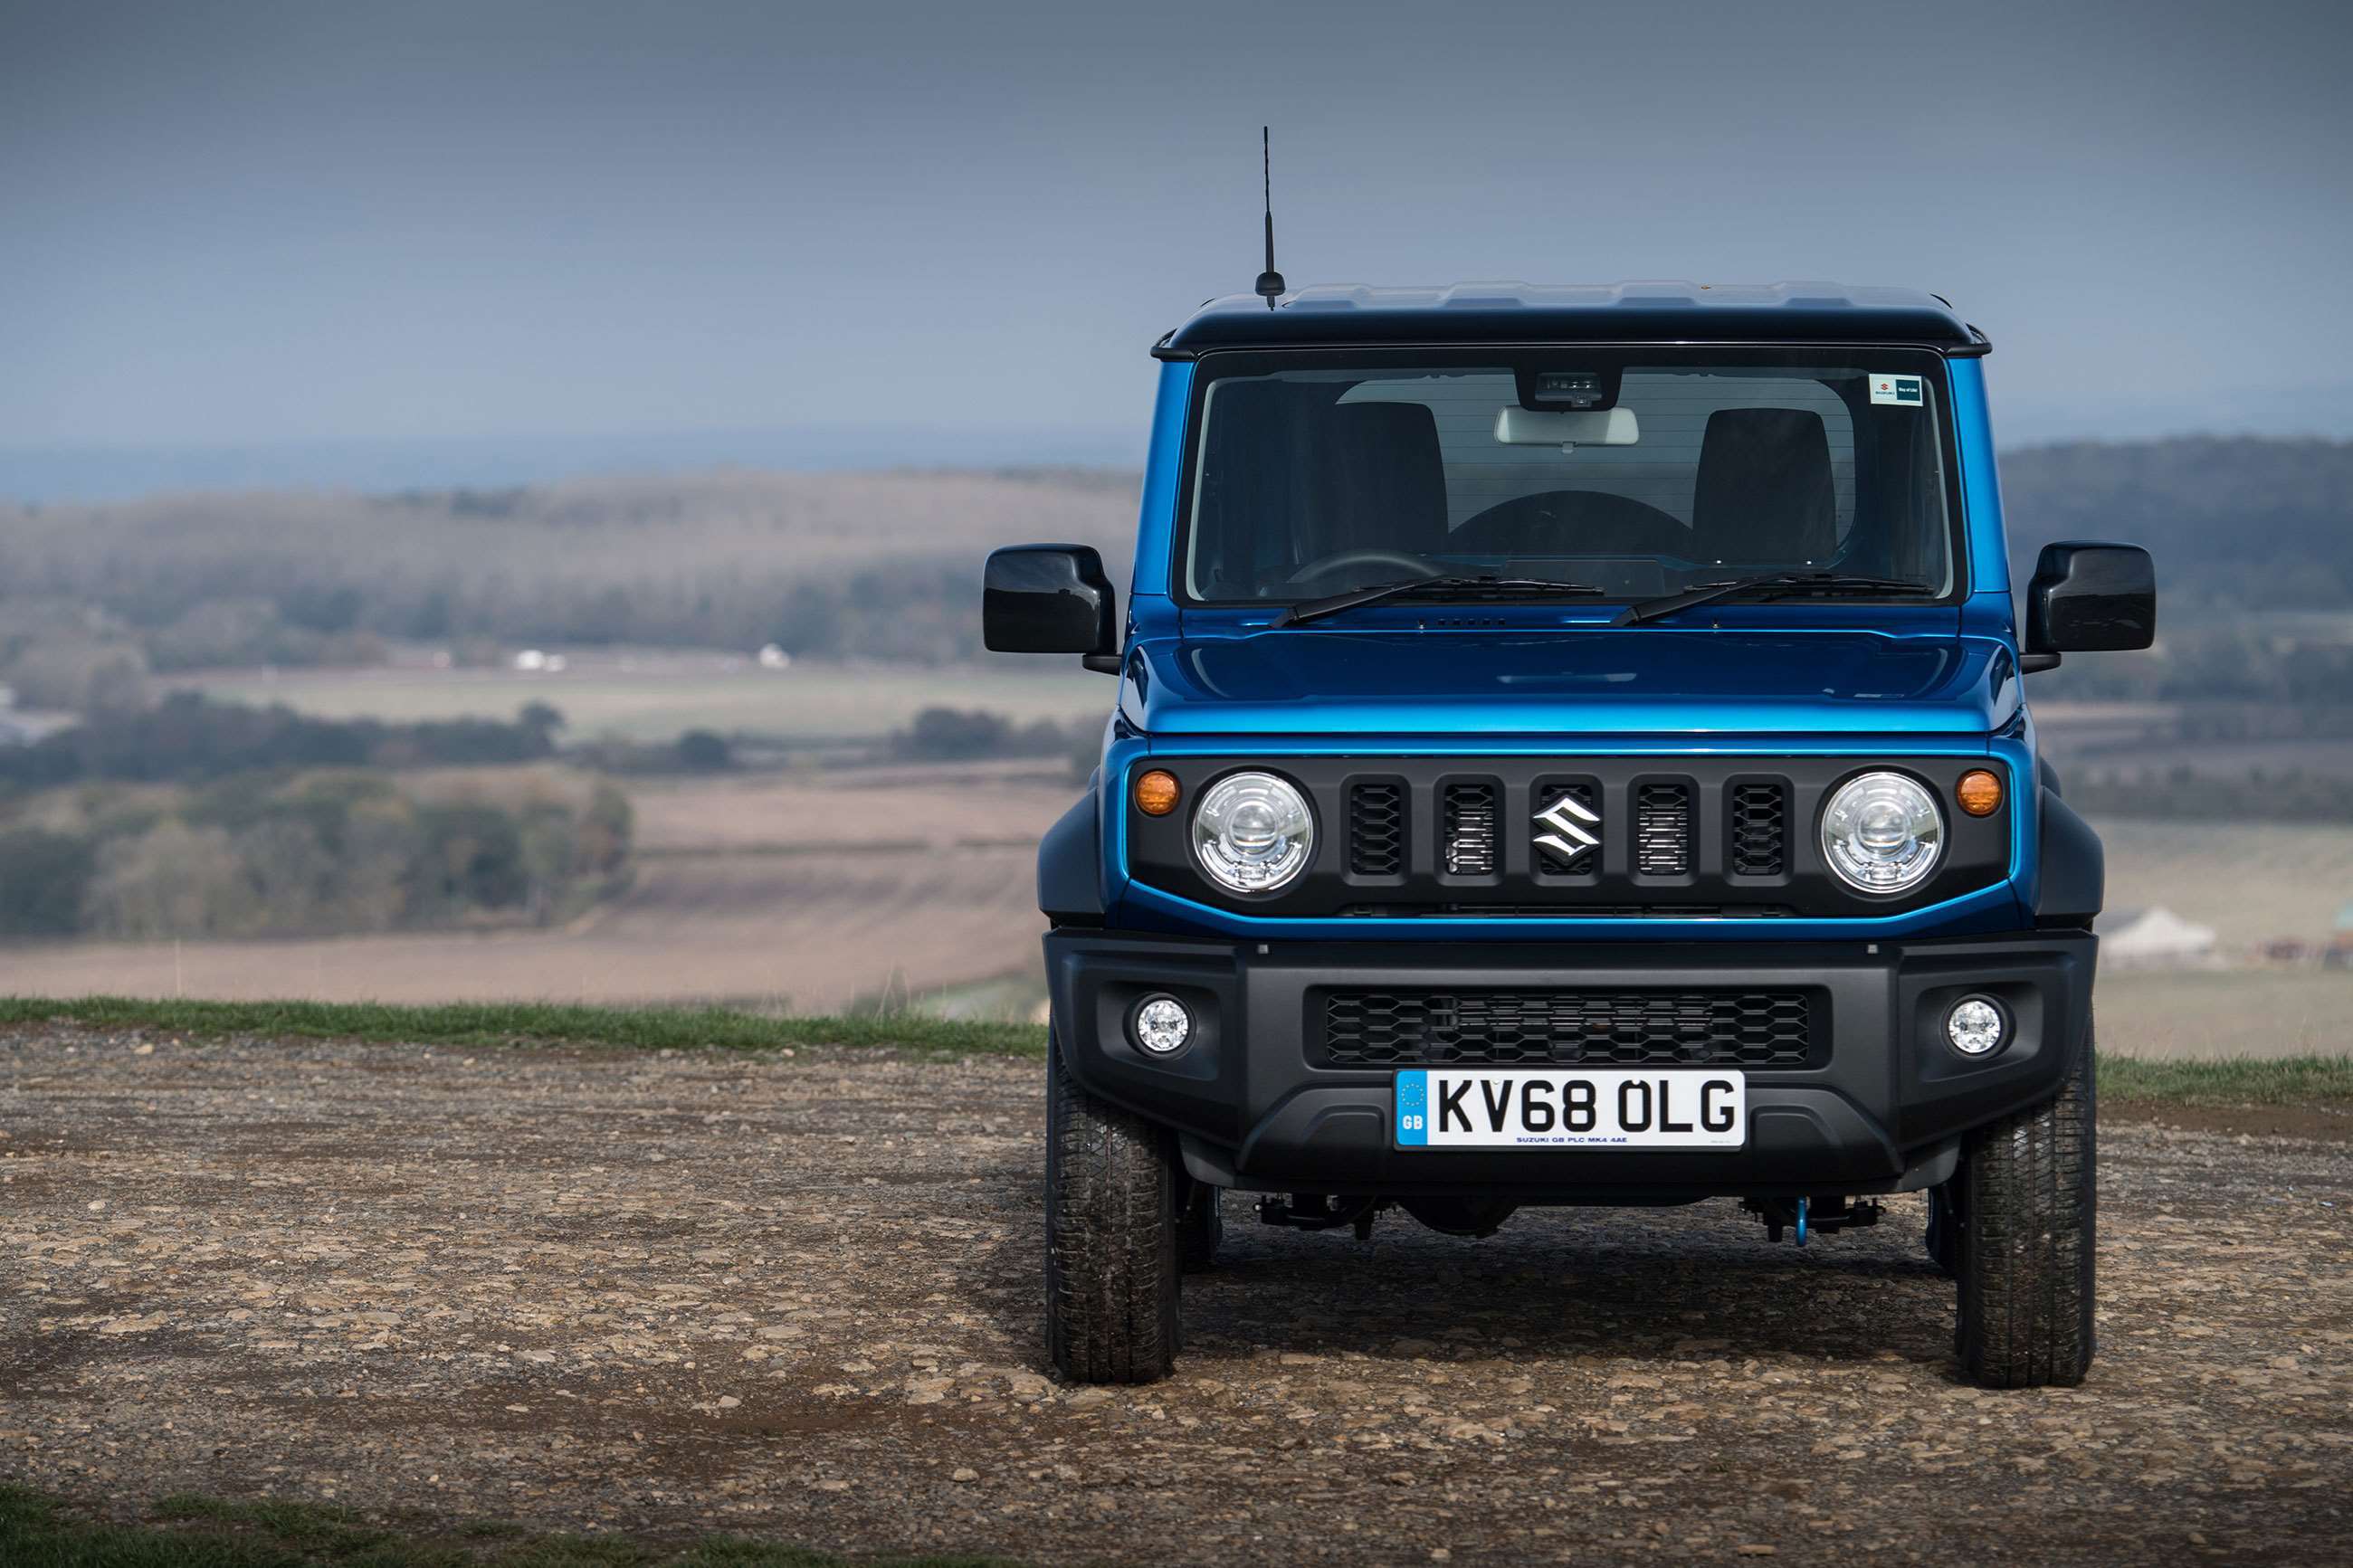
1885, 1111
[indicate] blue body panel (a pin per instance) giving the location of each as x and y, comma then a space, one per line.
1810, 679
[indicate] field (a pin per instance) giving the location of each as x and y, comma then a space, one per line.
844, 888
653, 695
2251, 882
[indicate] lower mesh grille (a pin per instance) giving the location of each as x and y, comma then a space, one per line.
1600, 1029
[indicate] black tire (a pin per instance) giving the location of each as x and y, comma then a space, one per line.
2027, 1205
1110, 1237
1201, 1228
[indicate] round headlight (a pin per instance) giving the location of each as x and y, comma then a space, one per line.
1883, 833
1253, 832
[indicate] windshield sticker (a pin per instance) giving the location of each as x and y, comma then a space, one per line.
1903, 391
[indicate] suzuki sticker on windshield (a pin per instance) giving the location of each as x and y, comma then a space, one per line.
1903, 391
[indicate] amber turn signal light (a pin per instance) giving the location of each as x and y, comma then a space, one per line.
1156, 793
1979, 792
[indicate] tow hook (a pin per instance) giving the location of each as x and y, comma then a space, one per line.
1806, 1216
1320, 1211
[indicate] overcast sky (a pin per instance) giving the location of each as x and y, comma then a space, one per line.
247, 224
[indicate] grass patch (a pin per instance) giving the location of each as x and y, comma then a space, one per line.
2233, 1081
491, 1024
188, 1531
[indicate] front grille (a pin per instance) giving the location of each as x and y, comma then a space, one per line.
1663, 829
1469, 823
1757, 817
1569, 1028
1562, 837
1377, 828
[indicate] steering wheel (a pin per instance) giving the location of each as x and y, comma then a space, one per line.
1412, 564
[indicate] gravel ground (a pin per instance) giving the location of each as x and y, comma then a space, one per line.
797, 1298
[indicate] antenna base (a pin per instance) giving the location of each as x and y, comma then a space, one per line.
1270, 285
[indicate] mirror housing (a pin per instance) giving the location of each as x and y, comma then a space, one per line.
2088, 598
1049, 598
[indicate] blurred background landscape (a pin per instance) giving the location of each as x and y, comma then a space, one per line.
491, 496
730, 737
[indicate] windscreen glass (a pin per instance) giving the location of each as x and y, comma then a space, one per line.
1649, 474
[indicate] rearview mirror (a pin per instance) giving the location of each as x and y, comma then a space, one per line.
1049, 598
1566, 428
2088, 598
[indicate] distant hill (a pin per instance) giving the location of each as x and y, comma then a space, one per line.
879, 564
2233, 522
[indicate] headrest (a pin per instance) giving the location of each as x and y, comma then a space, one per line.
1764, 495
1387, 489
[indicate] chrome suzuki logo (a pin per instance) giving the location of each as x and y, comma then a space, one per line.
1571, 826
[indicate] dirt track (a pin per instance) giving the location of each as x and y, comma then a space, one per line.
797, 1298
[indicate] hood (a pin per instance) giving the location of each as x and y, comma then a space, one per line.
1632, 681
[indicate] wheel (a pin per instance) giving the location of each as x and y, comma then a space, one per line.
2027, 1202
1111, 1236
1200, 1228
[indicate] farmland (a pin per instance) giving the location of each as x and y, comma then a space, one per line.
846, 887
654, 695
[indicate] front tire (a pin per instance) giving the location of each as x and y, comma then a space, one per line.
1111, 1236
2026, 1201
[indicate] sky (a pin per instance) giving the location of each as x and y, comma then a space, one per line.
347, 243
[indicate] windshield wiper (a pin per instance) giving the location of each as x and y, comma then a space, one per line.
1490, 587
1779, 583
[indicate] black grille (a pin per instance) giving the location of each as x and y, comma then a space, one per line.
1566, 1028
1377, 828
1663, 829
1469, 823
1756, 816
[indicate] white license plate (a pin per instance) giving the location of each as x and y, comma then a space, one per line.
1444, 1108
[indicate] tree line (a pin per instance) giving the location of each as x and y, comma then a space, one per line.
325, 852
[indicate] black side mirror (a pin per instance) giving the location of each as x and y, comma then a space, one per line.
2089, 598
1049, 598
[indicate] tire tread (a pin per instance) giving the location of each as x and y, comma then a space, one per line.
2028, 1201
1110, 1237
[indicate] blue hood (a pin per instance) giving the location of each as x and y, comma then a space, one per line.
1633, 681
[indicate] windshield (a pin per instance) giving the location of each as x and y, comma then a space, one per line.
1640, 471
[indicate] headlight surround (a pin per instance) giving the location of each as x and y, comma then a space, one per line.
1253, 832
1883, 832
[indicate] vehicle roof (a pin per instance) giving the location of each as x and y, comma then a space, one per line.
1356, 316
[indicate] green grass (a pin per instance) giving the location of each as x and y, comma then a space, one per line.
488, 1025
187, 1530
2241, 1080
2238, 1080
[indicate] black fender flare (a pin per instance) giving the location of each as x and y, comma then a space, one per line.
2074, 884
1070, 865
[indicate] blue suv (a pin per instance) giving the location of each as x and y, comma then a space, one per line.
1571, 747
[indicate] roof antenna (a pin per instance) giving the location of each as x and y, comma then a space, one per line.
1270, 282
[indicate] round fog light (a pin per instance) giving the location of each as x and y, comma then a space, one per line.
1162, 1026
1975, 1026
